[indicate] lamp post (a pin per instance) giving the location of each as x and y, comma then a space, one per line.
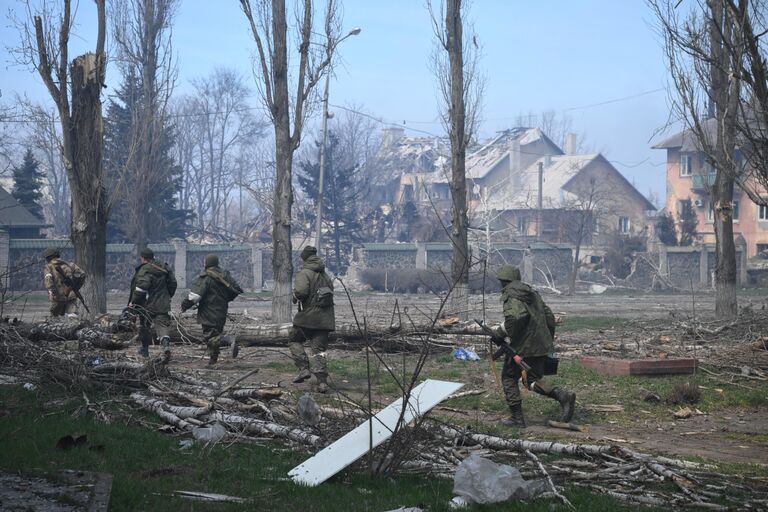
323, 139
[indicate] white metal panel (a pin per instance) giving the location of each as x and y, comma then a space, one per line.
346, 450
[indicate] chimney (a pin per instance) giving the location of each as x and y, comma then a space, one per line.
389, 136
570, 144
547, 160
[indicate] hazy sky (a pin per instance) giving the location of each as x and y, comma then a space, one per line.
564, 55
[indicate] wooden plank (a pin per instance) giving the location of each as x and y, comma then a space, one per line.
371, 433
614, 367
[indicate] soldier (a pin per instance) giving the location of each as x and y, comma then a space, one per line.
313, 291
530, 326
212, 291
152, 287
61, 280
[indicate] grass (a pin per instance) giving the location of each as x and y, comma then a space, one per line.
148, 466
579, 323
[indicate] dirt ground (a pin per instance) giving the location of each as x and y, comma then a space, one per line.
718, 430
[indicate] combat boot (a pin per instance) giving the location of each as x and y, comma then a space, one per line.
322, 382
567, 401
165, 342
302, 376
516, 418
213, 359
144, 350
235, 348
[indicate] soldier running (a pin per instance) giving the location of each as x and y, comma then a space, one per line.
530, 326
152, 287
212, 291
61, 278
313, 292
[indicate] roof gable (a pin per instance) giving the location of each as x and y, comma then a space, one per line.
14, 215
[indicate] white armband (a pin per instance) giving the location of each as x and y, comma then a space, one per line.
193, 297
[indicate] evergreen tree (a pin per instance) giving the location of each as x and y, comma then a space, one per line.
27, 185
688, 223
165, 220
665, 229
341, 193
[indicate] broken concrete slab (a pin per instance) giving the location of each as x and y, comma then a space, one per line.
614, 367
371, 433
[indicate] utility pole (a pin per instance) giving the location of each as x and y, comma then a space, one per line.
541, 201
324, 138
319, 219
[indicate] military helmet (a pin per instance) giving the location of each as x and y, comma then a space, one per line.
147, 254
211, 260
508, 273
51, 253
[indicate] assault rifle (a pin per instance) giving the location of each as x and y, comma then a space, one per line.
550, 366
69, 284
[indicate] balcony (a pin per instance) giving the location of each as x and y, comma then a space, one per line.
701, 182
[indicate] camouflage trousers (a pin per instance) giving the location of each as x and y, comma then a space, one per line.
63, 307
212, 338
160, 323
511, 373
308, 348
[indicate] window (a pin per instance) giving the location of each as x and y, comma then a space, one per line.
735, 209
762, 248
522, 225
684, 208
762, 212
624, 224
685, 165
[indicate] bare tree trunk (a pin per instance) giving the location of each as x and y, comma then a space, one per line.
457, 115
89, 195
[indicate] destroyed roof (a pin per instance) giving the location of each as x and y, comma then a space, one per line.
411, 155
521, 192
498, 149
14, 215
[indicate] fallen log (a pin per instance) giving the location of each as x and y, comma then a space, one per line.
264, 427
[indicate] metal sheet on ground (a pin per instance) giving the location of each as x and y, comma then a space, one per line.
346, 450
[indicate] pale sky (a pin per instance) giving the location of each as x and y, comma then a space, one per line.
572, 56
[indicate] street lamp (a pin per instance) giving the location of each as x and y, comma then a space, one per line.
324, 137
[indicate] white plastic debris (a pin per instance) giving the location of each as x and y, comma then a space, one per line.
482, 481
458, 502
29, 386
308, 410
211, 434
597, 289
186, 444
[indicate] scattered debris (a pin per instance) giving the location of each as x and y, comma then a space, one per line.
567, 426
208, 496
603, 408
683, 413
465, 354
372, 433
308, 410
211, 434
684, 393
479, 480
647, 396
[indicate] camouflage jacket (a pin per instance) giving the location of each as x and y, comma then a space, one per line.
156, 279
54, 281
528, 322
312, 276
212, 291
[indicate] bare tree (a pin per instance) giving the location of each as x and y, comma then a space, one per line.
76, 91
142, 33
455, 64
45, 138
269, 28
702, 53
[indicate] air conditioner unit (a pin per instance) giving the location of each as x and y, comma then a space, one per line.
698, 202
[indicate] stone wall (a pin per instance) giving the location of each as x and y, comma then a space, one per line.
25, 257
387, 256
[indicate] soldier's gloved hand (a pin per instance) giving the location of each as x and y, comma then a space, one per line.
51, 295
186, 304
497, 338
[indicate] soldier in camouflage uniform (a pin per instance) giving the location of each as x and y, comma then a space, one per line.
152, 287
62, 296
313, 322
530, 326
212, 291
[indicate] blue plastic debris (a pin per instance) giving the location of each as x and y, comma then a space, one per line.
465, 354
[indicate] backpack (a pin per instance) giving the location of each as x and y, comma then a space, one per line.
77, 279
230, 291
323, 296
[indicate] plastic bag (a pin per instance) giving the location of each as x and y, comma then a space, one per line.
480, 480
308, 410
211, 434
465, 354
